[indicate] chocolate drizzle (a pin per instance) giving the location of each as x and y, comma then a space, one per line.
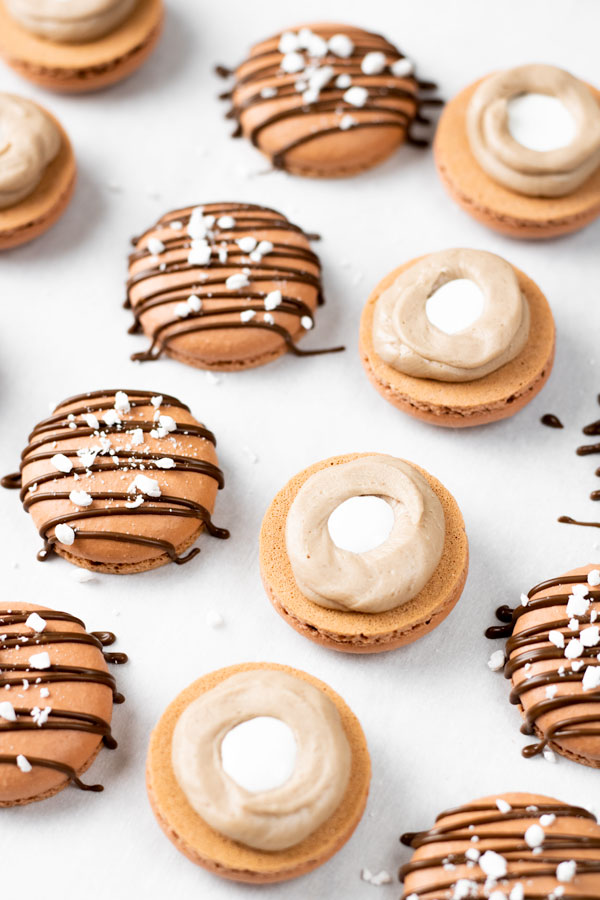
394, 102
208, 282
524, 863
532, 645
66, 426
15, 675
551, 421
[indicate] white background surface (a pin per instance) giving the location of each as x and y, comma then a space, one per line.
438, 722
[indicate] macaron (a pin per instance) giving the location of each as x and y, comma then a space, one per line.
421, 597
514, 844
497, 388
327, 100
37, 170
238, 693
514, 189
224, 287
120, 481
56, 701
552, 657
78, 45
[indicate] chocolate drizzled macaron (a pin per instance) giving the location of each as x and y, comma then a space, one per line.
327, 100
56, 699
37, 170
120, 481
74, 46
485, 372
553, 660
266, 835
516, 190
224, 286
517, 845
379, 599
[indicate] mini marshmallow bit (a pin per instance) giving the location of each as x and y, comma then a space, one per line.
229, 221
7, 711
341, 45
168, 423
565, 871
534, 836
577, 605
593, 578
557, 638
472, 854
266, 93
493, 864
551, 691
574, 649
577, 664
464, 888
306, 322
91, 420
496, 662
547, 819
273, 300
402, 68
122, 403
247, 314
44, 692
23, 763
194, 302
137, 437
590, 636
40, 716
343, 81
310, 96
503, 806
61, 462
269, 318
197, 227
144, 485
133, 504
591, 678
80, 498
517, 892
288, 42
237, 282
214, 619
156, 401
182, 310
246, 244
580, 589
321, 77
64, 534
292, 62
40, 660
373, 63
111, 417
356, 96
166, 463
200, 253
347, 121
176, 225
524, 599
155, 246
315, 45
574, 625
35, 622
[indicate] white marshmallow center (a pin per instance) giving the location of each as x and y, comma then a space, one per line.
361, 523
540, 122
259, 754
455, 306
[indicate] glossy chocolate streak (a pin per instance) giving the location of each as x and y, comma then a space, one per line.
18, 674
208, 281
523, 649
551, 421
331, 98
64, 426
524, 864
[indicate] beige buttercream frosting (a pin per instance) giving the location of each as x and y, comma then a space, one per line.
548, 173
70, 21
29, 141
274, 819
404, 337
379, 579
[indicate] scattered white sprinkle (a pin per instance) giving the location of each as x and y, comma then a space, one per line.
547, 819
464, 888
247, 243
176, 225
306, 322
574, 649
247, 314
347, 121
213, 378
145, 485
496, 661
80, 498
273, 299
237, 282
574, 625
534, 836
343, 81
156, 401
356, 96
44, 692
557, 638
35, 621
402, 67
137, 436
551, 691
288, 42
165, 463
503, 806
269, 318
472, 853
200, 253
493, 864
133, 504
111, 417
40, 716
577, 605
61, 462
7, 711
593, 578
373, 63
167, 423
40, 660
182, 310
155, 246
591, 678
341, 45
122, 403
590, 636
91, 420
194, 302
83, 576
517, 892
64, 534
264, 247
565, 871
229, 221
292, 62
524, 599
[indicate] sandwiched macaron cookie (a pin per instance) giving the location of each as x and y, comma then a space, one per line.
327, 100
517, 845
379, 586
224, 286
120, 481
258, 772
553, 660
37, 170
454, 375
78, 45
519, 151
56, 699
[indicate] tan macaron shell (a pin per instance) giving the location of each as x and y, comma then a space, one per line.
226, 349
456, 405
76, 749
36, 213
334, 155
353, 632
76, 68
219, 854
494, 205
123, 557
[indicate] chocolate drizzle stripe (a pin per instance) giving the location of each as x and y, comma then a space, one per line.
527, 641
13, 674
210, 286
49, 426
